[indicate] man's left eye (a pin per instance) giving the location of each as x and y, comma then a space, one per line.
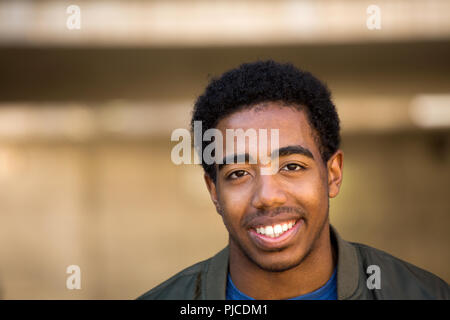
292, 167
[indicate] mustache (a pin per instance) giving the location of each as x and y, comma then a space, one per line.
273, 213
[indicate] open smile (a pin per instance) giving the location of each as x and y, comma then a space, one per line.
277, 235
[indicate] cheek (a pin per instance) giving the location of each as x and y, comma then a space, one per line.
234, 203
310, 192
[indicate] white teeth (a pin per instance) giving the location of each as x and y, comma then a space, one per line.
278, 229
275, 230
269, 231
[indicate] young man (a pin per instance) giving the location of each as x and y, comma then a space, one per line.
281, 245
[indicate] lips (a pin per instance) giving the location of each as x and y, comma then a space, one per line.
271, 237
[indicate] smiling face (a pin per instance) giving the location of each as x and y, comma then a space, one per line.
276, 221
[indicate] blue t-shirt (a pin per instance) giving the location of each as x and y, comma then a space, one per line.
327, 292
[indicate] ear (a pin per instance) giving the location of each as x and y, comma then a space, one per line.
212, 191
335, 166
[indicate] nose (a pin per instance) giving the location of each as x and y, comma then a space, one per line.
268, 193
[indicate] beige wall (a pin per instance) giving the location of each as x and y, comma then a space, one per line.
95, 186
130, 218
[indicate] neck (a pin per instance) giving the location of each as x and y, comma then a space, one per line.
311, 274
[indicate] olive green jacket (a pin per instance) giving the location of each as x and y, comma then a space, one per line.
207, 280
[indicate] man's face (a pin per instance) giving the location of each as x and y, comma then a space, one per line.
275, 220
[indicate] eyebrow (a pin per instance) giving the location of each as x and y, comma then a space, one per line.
295, 149
284, 151
234, 159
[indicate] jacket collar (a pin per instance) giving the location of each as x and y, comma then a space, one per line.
216, 276
347, 270
347, 266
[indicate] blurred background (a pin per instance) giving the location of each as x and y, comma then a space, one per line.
86, 116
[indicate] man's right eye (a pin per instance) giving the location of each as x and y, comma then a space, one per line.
237, 174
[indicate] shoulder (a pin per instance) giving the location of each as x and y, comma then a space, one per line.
401, 279
185, 285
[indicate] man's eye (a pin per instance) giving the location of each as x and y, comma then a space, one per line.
237, 174
292, 167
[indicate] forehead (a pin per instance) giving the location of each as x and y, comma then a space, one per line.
291, 121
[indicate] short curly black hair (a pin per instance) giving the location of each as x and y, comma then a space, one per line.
269, 81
